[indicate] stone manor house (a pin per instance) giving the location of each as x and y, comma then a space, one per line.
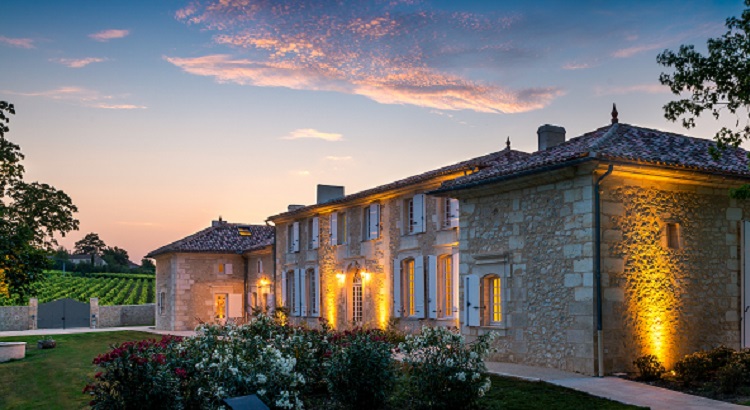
582, 256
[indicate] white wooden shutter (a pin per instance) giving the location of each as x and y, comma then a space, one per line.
315, 303
432, 286
396, 288
228, 268
315, 232
334, 225
471, 294
295, 237
235, 305
455, 274
419, 287
374, 228
453, 222
303, 292
419, 224
297, 298
284, 302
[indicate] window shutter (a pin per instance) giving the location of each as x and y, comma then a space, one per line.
315, 303
297, 298
396, 288
303, 292
419, 287
315, 232
454, 213
228, 268
284, 302
419, 223
295, 237
334, 228
471, 294
432, 286
235, 305
455, 274
374, 228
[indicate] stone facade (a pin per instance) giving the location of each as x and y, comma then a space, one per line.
126, 315
191, 281
16, 318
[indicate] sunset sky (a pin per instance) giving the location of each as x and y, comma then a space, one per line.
158, 116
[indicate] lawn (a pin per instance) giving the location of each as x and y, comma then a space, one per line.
53, 379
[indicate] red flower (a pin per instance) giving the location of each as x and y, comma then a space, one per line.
98, 375
180, 372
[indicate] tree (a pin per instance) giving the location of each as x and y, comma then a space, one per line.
116, 257
30, 216
90, 245
147, 265
718, 82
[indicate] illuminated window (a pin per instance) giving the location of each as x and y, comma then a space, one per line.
445, 286
407, 280
673, 236
492, 303
220, 305
244, 231
357, 308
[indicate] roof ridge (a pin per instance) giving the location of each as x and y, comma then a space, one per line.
609, 135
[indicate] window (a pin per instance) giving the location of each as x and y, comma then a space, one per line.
450, 213
341, 229
289, 285
162, 300
244, 231
673, 235
225, 268
220, 306
414, 214
312, 292
312, 233
259, 265
357, 308
292, 236
371, 222
445, 286
407, 272
492, 307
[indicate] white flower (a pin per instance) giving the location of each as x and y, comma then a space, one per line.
461, 376
262, 378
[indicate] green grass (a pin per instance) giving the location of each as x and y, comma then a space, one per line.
507, 393
54, 378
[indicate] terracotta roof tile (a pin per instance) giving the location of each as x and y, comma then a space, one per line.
222, 237
621, 142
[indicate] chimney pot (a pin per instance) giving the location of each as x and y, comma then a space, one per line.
549, 136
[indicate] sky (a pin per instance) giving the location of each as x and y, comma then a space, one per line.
157, 117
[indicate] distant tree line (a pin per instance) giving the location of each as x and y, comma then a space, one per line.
116, 259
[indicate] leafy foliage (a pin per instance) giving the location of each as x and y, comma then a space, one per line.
649, 368
30, 215
90, 244
718, 82
700, 367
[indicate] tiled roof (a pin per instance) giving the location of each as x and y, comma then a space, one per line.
495, 159
221, 237
619, 142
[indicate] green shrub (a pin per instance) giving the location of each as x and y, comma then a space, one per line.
649, 368
701, 366
734, 377
441, 371
361, 373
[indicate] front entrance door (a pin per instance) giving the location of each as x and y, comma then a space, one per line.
745, 288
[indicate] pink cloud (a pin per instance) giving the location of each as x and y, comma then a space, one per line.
78, 62
18, 42
106, 35
305, 133
81, 96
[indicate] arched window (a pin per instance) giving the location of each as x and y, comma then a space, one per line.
492, 300
357, 298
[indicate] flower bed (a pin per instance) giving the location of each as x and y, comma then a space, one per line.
293, 367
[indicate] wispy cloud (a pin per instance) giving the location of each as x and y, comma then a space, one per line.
640, 48
17, 42
81, 96
339, 159
311, 133
78, 62
630, 89
576, 66
397, 52
106, 35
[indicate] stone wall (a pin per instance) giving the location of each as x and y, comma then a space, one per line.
16, 318
260, 282
126, 315
536, 234
657, 299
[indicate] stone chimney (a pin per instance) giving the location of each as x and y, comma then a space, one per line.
549, 136
220, 222
291, 208
328, 193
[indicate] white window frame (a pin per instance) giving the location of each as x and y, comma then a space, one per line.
450, 213
371, 221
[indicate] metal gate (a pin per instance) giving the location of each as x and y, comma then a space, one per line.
63, 313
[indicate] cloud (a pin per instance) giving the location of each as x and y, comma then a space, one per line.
576, 66
81, 96
17, 42
339, 159
637, 49
637, 88
312, 133
392, 52
106, 35
78, 62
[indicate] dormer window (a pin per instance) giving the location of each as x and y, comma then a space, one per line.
244, 231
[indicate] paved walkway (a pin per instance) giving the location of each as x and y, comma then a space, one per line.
44, 332
613, 388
